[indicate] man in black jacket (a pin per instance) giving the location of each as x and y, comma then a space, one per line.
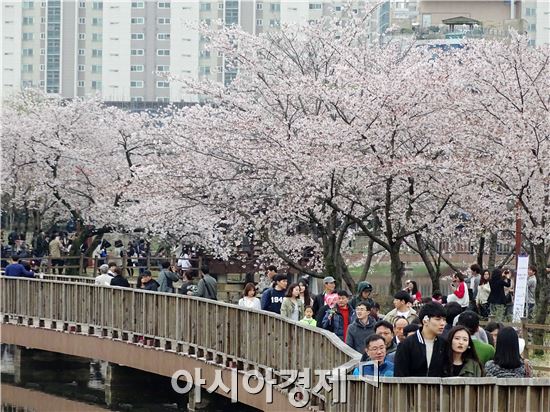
425, 352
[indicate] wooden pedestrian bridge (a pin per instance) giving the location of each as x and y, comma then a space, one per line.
163, 333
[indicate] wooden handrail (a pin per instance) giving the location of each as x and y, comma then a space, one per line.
257, 338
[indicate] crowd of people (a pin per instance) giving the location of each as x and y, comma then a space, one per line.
441, 339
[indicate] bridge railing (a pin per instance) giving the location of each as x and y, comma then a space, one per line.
216, 331
448, 394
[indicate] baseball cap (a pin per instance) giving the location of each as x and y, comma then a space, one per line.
328, 279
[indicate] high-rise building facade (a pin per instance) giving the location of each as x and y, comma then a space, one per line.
120, 48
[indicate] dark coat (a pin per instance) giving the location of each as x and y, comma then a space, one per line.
410, 358
120, 280
497, 295
152, 285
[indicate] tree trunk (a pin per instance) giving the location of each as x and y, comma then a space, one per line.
368, 262
481, 252
433, 272
492, 251
396, 267
542, 295
344, 273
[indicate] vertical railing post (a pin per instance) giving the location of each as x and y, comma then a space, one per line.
124, 262
525, 336
81, 269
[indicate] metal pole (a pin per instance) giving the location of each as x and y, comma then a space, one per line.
518, 231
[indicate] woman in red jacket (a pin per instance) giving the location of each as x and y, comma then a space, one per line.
460, 294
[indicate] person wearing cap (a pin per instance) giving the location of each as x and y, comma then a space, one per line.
147, 281
320, 300
338, 318
104, 277
272, 298
364, 290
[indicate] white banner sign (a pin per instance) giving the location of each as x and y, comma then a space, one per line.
520, 294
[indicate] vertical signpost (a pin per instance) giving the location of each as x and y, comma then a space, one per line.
521, 288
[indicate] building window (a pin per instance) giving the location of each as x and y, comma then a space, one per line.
204, 70
259, 6
28, 36
163, 68
97, 37
96, 68
163, 36
205, 7
82, 4
82, 20
26, 83
97, 21
136, 68
532, 27
42, 67
97, 5
138, 36
163, 20
27, 21
163, 84
220, 5
81, 83
27, 68
43, 4
81, 52
136, 84
163, 99
163, 5
338, 8
259, 22
137, 20
275, 7
42, 52
96, 84
42, 36
81, 68
81, 36
315, 6
137, 52
28, 5
97, 52
28, 52
205, 53
136, 99
42, 20
274, 23
163, 52
138, 5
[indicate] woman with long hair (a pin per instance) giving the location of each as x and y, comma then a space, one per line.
483, 291
463, 360
292, 306
415, 293
304, 292
507, 362
249, 299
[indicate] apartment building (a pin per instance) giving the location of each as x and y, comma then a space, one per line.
120, 48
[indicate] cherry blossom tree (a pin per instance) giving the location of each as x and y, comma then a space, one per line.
321, 134
502, 133
75, 156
